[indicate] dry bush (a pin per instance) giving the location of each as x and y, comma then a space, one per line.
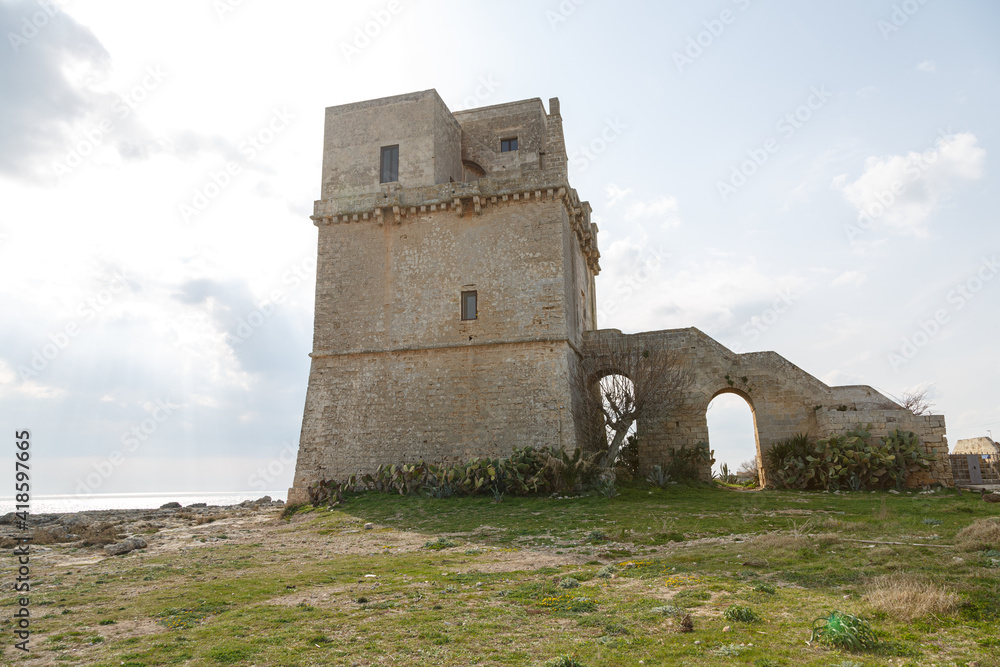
826, 539
980, 535
99, 534
908, 596
772, 542
55, 535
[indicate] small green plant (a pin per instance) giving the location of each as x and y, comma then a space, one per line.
766, 662
931, 522
741, 613
728, 650
108, 621
991, 558
595, 536
667, 610
764, 587
659, 477
569, 582
440, 543
606, 487
563, 661
606, 571
844, 631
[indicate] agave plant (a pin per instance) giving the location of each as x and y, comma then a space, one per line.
844, 631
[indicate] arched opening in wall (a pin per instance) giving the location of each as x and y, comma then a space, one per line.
618, 409
471, 171
732, 434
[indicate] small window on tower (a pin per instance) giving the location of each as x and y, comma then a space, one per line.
469, 306
508, 145
389, 164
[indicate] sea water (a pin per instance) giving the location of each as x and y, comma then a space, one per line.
124, 501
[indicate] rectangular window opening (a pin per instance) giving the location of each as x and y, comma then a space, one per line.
508, 145
469, 306
389, 164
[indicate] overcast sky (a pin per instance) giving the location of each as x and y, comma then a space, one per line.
816, 179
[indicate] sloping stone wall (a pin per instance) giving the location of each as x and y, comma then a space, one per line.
784, 399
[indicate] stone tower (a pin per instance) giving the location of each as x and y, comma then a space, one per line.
454, 283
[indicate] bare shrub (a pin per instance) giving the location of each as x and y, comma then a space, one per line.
99, 534
980, 535
826, 539
776, 542
907, 596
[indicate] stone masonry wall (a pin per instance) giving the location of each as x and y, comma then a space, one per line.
445, 405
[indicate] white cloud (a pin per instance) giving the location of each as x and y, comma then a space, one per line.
855, 278
663, 208
616, 194
902, 192
927, 66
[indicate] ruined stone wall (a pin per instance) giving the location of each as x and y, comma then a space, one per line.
784, 399
983, 446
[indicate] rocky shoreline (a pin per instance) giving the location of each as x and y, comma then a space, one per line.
118, 532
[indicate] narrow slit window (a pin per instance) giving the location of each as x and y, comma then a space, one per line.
389, 164
508, 145
469, 306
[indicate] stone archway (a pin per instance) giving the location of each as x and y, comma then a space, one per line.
785, 400
746, 402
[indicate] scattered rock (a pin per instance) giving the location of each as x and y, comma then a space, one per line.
193, 505
727, 629
8, 519
369, 526
170, 506
76, 520
265, 499
124, 547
